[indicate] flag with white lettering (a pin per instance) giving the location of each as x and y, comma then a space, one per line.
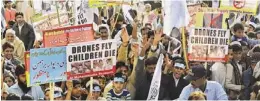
156, 82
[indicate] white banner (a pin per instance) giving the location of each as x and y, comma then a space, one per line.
156, 82
91, 59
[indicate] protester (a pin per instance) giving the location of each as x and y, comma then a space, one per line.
118, 92
20, 88
9, 80
239, 35
233, 82
17, 43
24, 31
176, 82
9, 11
248, 74
141, 34
199, 82
198, 95
74, 91
10, 62
96, 93
218, 69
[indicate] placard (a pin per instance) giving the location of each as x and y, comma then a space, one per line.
208, 44
47, 65
66, 35
91, 59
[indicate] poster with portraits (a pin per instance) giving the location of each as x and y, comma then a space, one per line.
90, 59
208, 44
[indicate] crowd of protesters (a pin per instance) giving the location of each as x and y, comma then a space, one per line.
140, 44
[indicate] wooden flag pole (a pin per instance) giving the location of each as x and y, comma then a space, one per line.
58, 14
51, 86
184, 48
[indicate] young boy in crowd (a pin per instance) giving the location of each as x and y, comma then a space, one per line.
239, 35
118, 92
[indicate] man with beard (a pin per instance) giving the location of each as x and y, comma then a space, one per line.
20, 88
175, 82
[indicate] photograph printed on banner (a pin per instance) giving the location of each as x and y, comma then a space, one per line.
87, 66
79, 68
199, 51
98, 65
216, 51
108, 63
212, 20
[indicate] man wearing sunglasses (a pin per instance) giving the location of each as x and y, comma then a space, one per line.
212, 89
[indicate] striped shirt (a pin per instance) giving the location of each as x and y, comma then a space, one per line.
124, 95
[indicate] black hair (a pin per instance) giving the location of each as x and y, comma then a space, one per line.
119, 64
19, 70
151, 61
11, 23
102, 27
11, 76
238, 26
18, 13
120, 75
7, 45
7, 1
26, 97
236, 48
251, 35
150, 33
13, 96
256, 49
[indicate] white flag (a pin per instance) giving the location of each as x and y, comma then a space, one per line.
175, 14
156, 82
126, 12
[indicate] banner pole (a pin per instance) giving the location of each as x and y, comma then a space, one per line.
51, 86
58, 14
184, 48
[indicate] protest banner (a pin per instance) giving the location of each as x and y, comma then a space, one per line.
42, 22
208, 44
90, 59
102, 3
245, 6
27, 67
211, 20
47, 65
192, 9
66, 35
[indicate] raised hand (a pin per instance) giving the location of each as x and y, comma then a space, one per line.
69, 85
124, 35
157, 36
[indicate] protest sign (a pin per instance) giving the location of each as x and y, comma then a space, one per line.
47, 65
211, 20
246, 6
27, 67
208, 44
66, 35
42, 22
192, 9
102, 3
91, 59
